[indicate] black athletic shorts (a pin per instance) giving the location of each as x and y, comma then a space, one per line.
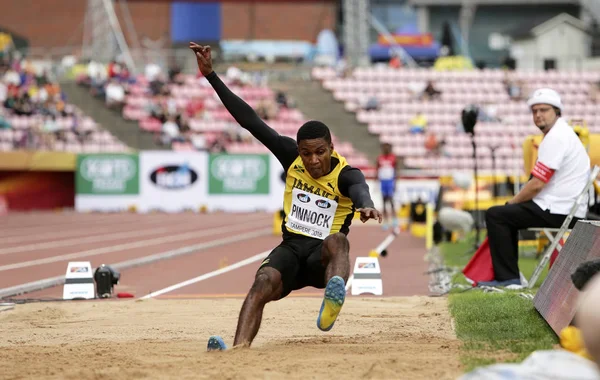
298, 259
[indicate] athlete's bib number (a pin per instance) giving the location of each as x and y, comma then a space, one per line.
311, 214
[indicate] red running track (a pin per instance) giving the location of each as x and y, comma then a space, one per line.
36, 246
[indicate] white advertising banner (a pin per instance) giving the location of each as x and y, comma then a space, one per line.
106, 203
173, 181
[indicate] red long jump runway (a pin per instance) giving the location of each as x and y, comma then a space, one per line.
402, 270
140, 237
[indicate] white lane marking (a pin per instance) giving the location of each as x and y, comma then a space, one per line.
77, 241
92, 239
85, 230
121, 247
71, 232
41, 223
208, 275
59, 280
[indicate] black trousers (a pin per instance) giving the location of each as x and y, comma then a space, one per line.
503, 224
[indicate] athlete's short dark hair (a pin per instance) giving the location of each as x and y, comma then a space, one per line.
313, 130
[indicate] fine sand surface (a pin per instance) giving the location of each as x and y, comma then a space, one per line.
374, 338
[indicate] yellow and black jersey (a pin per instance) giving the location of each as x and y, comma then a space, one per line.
317, 207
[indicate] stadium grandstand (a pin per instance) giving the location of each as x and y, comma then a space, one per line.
121, 165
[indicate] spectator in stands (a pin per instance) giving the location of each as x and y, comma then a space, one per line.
97, 85
245, 136
156, 108
12, 77
430, 92
218, 145
488, 113
266, 109
195, 108
4, 123
170, 132
434, 146
369, 102
50, 131
158, 87
175, 74
418, 123
152, 71
515, 89
3, 91
235, 76
395, 61
23, 105
77, 129
125, 77
558, 177
342, 70
282, 99
172, 109
594, 91
115, 94
113, 69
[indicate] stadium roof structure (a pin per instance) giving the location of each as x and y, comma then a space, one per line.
536, 28
490, 2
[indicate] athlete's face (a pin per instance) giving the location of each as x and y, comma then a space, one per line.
316, 156
544, 116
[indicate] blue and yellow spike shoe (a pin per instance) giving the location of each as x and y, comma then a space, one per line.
335, 294
216, 343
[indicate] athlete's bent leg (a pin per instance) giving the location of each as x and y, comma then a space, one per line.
335, 257
267, 287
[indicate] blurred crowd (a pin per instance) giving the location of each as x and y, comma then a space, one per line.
114, 83
31, 92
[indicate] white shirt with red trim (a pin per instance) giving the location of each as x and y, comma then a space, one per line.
564, 165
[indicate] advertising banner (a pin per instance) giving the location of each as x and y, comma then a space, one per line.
244, 174
173, 181
245, 182
106, 182
107, 174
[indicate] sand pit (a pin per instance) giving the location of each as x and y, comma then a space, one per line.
374, 338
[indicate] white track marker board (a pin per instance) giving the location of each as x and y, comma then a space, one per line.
366, 278
79, 281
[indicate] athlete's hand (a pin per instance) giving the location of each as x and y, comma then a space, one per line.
370, 213
203, 58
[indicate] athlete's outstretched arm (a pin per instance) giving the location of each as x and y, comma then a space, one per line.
352, 184
284, 148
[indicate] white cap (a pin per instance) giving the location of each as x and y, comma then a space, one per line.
545, 96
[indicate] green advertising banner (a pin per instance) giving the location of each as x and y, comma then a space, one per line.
107, 174
238, 174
